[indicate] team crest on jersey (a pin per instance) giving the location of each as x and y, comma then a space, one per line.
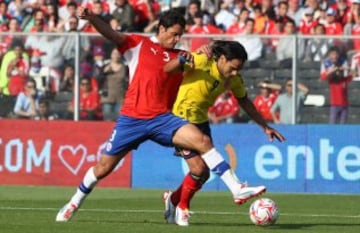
108, 146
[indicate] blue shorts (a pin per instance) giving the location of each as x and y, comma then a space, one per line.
129, 132
186, 153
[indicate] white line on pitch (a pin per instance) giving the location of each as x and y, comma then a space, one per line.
193, 212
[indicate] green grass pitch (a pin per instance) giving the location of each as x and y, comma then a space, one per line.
33, 210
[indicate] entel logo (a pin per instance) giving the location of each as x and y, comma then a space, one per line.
270, 163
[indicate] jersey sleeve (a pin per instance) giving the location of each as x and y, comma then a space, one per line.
131, 41
237, 86
201, 61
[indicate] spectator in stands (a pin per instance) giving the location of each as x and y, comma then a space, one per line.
317, 47
115, 85
97, 9
14, 69
5, 41
17, 71
68, 79
266, 98
52, 17
308, 22
332, 27
295, 11
238, 27
259, 19
335, 70
281, 17
43, 113
225, 109
284, 53
70, 43
342, 10
146, 11
27, 102
267, 8
90, 108
66, 13
15, 9
125, 15
98, 66
4, 16
192, 8
200, 28
283, 107
224, 17
40, 73
353, 28
37, 23
253, 44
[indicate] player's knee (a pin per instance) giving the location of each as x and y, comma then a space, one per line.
205, 176
202, 177
205, 145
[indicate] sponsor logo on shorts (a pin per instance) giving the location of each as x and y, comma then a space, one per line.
186, 152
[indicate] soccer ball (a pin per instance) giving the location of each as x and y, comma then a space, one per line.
263, 212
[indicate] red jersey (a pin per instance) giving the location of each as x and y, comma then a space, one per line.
205, 29
334, 29
151, 92
236, 28
263, 105
225, 107
306, 27
142, 10
356, 32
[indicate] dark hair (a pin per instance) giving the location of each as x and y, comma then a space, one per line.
230, 49
170, 18
44, 101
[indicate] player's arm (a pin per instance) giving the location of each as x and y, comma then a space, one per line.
250, 109
101, 26
178, 64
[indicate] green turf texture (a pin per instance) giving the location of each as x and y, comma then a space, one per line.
33, 210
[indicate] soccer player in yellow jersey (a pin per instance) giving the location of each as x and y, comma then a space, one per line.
204, 79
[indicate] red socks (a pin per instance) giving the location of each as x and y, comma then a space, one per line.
183, 195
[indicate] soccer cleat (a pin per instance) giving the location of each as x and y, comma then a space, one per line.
66, 213
169, 213
182, 217
246, 193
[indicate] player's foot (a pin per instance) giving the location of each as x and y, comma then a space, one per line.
169, 213
182, 217
66, 213
246, 193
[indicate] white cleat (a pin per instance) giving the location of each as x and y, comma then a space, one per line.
182, 217
66, 213
246, 193
169, 213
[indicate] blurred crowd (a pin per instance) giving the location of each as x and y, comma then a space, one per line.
46, 63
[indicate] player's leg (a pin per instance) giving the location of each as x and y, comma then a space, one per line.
127, 134
192, 183
103, 168
189, 136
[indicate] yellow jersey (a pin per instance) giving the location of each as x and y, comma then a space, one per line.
200, 87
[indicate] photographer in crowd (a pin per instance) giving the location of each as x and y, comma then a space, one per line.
335, 70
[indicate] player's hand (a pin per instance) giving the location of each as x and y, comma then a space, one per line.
272, 133
189, 58
206, 49
83, 13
